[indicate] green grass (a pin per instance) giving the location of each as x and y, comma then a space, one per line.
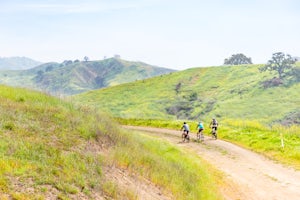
43, 142
177, 124
265, 140
234, 92
180, 173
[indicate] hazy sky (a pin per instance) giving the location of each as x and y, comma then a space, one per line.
177, 34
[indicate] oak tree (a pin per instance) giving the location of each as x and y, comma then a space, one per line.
280, 63
237, 59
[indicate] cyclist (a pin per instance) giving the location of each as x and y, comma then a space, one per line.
200, 128
214, 126
186, 130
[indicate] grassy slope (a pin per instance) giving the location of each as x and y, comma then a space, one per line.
43, 146
225, 92
50, 149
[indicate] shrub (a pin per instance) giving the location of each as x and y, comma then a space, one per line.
274, 82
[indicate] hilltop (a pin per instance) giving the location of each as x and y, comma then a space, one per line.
231, 92
73, 77
17, 63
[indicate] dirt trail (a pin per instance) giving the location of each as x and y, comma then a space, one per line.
249, 175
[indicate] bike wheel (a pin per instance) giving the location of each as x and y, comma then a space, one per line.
214, 135
201, 137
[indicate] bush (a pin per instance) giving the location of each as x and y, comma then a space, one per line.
274, 82
290, 119
296, 73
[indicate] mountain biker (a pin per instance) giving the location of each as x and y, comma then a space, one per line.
200, 128
214, 126
186, 130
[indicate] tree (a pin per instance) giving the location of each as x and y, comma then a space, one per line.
280, 63
86, 58
67, 62
237, 59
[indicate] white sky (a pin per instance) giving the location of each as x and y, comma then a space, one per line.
177, 34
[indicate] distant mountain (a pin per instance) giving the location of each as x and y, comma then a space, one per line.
73, 77
17, 63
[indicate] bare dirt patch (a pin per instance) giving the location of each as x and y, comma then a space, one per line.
248, 174
134, 186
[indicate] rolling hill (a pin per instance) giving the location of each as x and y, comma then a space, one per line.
17, 63
51, 149
75, 77
231, 92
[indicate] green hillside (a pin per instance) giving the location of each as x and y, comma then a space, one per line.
52, 150
226, 92
75, 77
46, 147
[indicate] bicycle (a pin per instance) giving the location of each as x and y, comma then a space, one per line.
214, 133
200, 136
185, 136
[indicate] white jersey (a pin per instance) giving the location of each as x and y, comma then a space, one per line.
186, 127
